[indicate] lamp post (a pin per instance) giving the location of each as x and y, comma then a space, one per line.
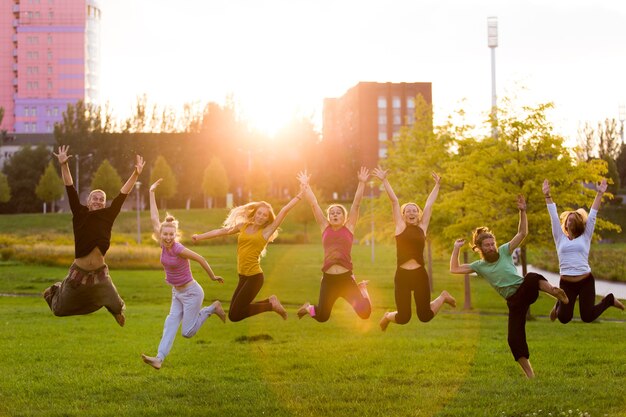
78, 171
137, 186
622, 119
492, 42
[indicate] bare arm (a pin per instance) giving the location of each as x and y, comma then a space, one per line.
601, 190
189, 254
395, 204
222, 231
154, 211
318, 214
128, 186
64, 158
522, 228
269, 230
428, 208
353, 216
455, 267
546, 192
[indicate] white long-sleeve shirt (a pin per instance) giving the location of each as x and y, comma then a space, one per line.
573, 254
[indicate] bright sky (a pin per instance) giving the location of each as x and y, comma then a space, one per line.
280, 57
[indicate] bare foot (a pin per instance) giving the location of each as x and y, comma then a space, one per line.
553, 313
278, 307
384, 322
120, 319
304, 310
560, 295
617, 303
152, 361
219, 311
448, 299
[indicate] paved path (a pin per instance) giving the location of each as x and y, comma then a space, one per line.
602, 287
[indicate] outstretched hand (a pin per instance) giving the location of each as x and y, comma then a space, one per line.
154, 186
521, 203
139, 164
194, 238
436, 177
380, 173
218, 279
458, 243
363, 174
546, 188
62, 156
303, 177
602, 186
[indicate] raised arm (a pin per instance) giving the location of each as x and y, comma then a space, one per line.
154, 211
189, 254
269, 230
601, 190
318, 214
546, 192
428, 208
128, 186
522, 228
455, 267
381, 174
555, 222
353, 216
64, 158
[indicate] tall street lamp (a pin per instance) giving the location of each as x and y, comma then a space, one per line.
137, 186
372, 224
78, 172
492, 42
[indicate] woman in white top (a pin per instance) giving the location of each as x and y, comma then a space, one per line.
572, 234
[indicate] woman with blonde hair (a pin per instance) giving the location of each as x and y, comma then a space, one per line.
257, 225
411, 276
337, 229
187, 294
572, 232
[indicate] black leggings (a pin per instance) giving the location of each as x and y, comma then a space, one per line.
518, 305
585, 290
242, 305
416, 280
340, 285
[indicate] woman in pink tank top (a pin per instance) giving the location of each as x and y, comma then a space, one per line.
187, 294
337, 236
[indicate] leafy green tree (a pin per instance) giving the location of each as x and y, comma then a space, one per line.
215, 181
5, 190
50, 187
107, 179
167, 188
23, 171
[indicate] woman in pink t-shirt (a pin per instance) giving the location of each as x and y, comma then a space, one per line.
337, 236
187, 294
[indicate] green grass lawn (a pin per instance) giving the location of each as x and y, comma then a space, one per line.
459, 364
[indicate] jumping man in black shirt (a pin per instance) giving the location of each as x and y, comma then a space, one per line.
88, 286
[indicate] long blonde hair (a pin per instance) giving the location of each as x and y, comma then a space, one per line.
245, 214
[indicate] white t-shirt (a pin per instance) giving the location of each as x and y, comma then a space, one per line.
573, 254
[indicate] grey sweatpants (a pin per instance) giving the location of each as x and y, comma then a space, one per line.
83, 292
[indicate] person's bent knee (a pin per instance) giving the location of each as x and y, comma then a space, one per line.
235, 317
365, 313
425, 315
586, 318
402, 318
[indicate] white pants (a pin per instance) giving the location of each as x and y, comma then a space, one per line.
186, 308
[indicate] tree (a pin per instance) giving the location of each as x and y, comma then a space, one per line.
215, 181
5, 190
50, 187
107, 179
167, 188
23, 171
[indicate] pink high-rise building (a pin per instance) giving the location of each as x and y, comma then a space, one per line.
49, 58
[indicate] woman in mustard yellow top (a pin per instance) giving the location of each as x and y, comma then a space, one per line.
257, 226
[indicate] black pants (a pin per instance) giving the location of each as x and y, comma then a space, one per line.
242, 305
585, 291
340, 285
416, 281
518, 305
